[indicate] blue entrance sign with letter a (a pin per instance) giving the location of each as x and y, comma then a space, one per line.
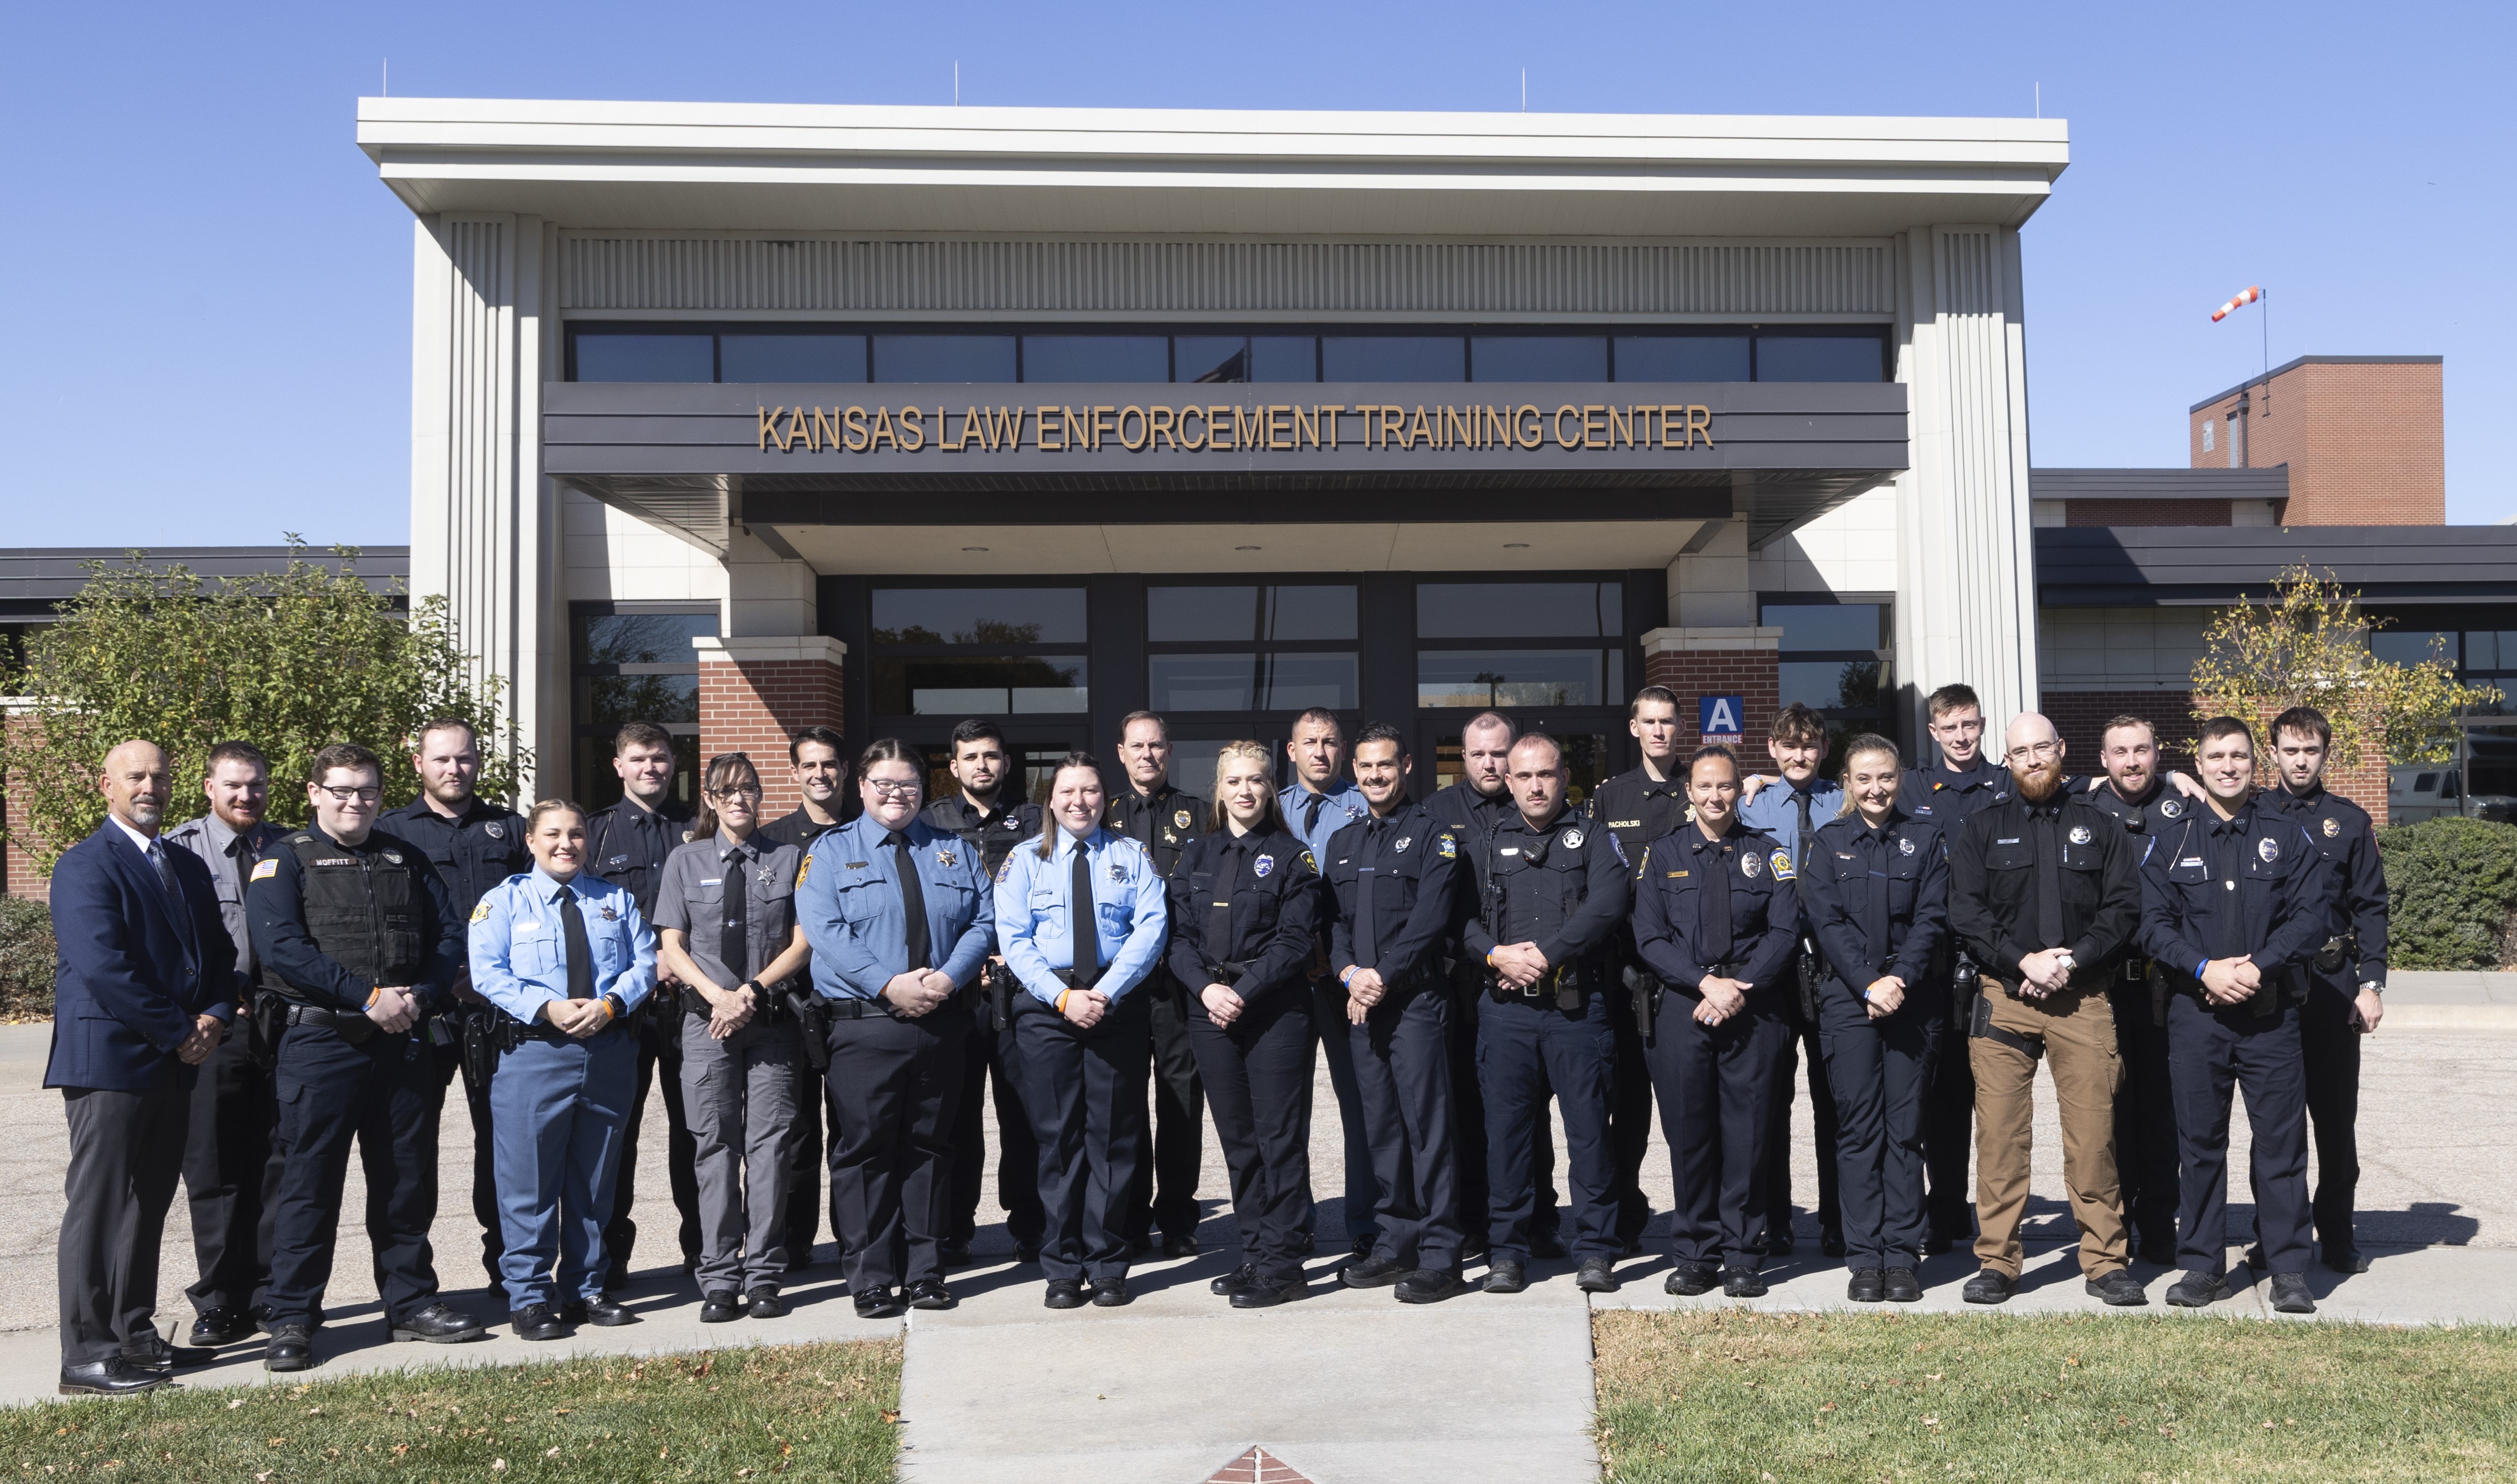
1719, 717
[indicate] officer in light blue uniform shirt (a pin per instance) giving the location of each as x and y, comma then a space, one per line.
567, 957
1321, 802
1082, 1040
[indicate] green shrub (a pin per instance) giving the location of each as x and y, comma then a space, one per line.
27, 954
2450, 885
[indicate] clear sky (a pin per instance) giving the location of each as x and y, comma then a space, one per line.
209, 334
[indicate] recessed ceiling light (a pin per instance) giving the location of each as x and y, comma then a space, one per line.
1245, 548
1515, 545
975, 548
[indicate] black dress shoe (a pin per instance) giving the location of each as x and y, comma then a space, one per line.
1110, 1293
1688, 1279
1233, 1281
953, 1254
1429, 1284
1779, 1242
1505, 1276
1306, 1244
111, 1376
1064, 1293
1988, 1286
154, 1354
439, 1324
720, 1308
924, 1293
1363, 1245
766, 1303
1547, 1245
222, 1327
2341, 1259
534, 1321
1472, 1249
1266, 1296
615, 1280
1182, 1245
1739, 1283
881, 1302
1629, 1246
2291, 1294
2119, 1288
1904, 1286
1372, 1272
2197, 1289
291, 1348
1867, 1284
1598, 1276
1026, 1253
1830, 1243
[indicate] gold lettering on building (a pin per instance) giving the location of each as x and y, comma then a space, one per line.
1228, 427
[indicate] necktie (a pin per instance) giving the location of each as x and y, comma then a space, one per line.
1219, 910
1082, 930
1712, 904
913, 900
580, 951
2049, 879
1801, 840
734, 947
2229, 927
1367, 928
1311, 815
1875, 920
165, 872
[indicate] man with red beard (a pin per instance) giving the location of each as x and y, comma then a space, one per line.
2046, 893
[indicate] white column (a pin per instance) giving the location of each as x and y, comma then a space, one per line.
767, 593
1966, 590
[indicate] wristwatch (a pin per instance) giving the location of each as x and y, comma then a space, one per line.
2372, 986
2071, 965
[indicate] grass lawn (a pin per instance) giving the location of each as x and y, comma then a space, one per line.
1720, 1395
804, 1411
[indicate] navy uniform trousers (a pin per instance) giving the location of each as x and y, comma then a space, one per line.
2329, 1050
1258, 1077
2144, 1117
231, 1170
1360, 1205
1716, 1088
1402, 1074
894, 1085
658, 1047
1085, 1093
383, 1093
2210, 1052
1528, 1047
562, 1109
1880, 1074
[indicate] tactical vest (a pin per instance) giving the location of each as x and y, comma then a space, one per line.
363, 907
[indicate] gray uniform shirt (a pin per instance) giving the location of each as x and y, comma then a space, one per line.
692, 900
229, 856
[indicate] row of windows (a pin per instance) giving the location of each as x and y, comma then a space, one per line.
607, 353
1053, 685
1256, 613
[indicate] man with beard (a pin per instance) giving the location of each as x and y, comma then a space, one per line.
2046, 894
814, 756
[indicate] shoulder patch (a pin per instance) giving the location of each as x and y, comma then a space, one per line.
1004, 868
2332, 825
264, 870
1310, 864
1781, 862
1446, 847
803, 871
481, 913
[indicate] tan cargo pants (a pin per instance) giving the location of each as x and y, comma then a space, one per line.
2077, 1030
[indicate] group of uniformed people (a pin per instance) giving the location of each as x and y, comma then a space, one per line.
821, 996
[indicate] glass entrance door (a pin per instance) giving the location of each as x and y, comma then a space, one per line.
1595, 747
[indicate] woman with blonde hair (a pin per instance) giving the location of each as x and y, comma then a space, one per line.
1245, 907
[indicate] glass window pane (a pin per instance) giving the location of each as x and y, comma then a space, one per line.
1681, 358
992, 684
943, 357
2482, 650
1393, 357
1821, 358
1200, 615
641, 638
793, 358
1096, 357
1831, 685
978, 615
1826, 625
1512, 678
1540, 358
1211, 358
2398, 646
646, 358
1202, 681
1284, 358
609, 701
1299, 682
1519, 610
1302, 611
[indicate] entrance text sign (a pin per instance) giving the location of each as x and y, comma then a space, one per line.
1718, 718
1230, 427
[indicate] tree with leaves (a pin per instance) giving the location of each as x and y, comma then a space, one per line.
2308, 645
290, 660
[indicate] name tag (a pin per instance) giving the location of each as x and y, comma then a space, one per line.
714, 881
2012, 840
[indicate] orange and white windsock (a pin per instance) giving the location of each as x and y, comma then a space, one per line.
2253, 294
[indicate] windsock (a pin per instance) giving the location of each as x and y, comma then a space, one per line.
2253, 294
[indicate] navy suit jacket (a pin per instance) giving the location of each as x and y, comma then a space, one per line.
135, 969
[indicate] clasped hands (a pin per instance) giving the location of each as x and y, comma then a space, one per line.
394, 1008
2041, 973
1722, 999
579, 1018
729, 1010
1223, 1005
1518, 966
1885, 996
207, 1032
917, 992
1363, 990
2231, 981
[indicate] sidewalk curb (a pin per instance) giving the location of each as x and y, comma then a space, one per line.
2448, 1017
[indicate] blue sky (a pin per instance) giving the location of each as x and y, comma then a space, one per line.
209, 338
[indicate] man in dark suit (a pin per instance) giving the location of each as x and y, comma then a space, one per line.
143, 995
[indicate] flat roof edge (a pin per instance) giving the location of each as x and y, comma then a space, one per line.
2287, 366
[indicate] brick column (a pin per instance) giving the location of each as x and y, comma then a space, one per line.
757, 692
1696, 661
18, 874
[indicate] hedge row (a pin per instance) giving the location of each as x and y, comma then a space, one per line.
2452, 891
27, 955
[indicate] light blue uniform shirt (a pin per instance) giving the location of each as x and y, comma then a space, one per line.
1346, 805
1130, 911
1773, 812
847, 900
520, 947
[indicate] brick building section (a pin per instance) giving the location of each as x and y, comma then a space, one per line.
757, 694
2364, 437
2145, 513
2081, 716
19, 875
1750, 673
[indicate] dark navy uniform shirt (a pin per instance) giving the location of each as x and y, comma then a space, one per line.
473, 851
1636, 809
276, 907
1561, 888
1877, 898
2347, 838
1411, 862
1944, 797
2155, 810
1249, 899
797, 828
627, 845
1163, 821
1670, 908
991, 832
2253, 885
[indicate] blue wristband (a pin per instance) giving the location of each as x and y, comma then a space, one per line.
2199, 968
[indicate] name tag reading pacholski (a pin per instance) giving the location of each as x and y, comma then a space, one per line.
1228, 428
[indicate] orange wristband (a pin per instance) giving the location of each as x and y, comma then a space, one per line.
371, 996
1061, 1000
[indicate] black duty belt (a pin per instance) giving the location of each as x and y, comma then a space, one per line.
351, 1026
517, 1034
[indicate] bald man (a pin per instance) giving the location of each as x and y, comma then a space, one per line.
2045, 892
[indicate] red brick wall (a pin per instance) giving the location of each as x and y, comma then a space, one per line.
2366, 443
18, 874
755, 706
2081, 716
2145, 512
1750, 674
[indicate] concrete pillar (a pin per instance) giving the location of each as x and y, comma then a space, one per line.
1709, 585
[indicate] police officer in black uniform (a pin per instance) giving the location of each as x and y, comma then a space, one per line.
475, 844
1946, 793
1391, 875
2235, 904
1163, 819
1552, 892
2135, 795
358, 943
993, 822
815, 754
1636, 808
628, 844
2346, 979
